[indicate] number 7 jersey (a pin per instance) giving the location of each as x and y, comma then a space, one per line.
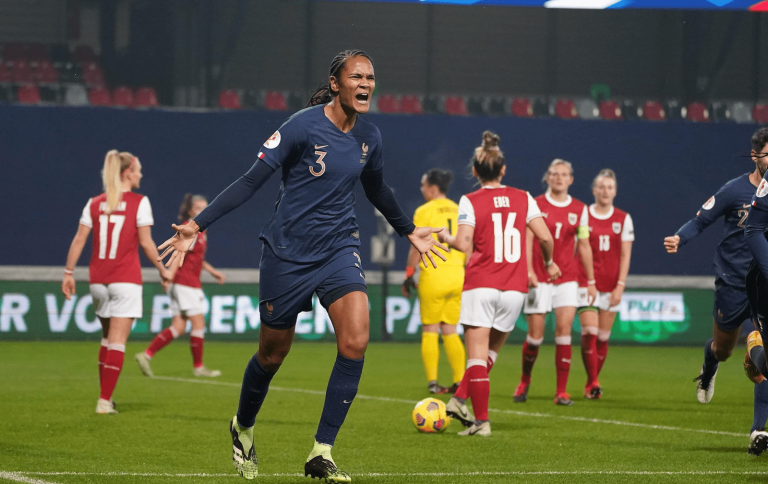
115, 256
500, 217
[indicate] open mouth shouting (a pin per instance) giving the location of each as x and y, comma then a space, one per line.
362, 97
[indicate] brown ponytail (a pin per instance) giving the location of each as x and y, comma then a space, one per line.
115, 163
488, 158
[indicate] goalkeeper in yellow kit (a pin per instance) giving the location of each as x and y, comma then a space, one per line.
439, 289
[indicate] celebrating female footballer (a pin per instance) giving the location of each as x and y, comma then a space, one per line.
439, 289
121, 221
187, 298
611, 237
492, 221
311, 246
566, 219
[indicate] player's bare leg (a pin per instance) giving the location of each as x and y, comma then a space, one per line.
350, 319
563, 351
719, 348
533, 340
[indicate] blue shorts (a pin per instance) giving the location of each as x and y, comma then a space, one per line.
731, 306
286, 288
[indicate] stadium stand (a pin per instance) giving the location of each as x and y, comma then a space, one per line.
760, 113
29, 94
145, 97
411, 104
653, 111
522, 107
610, 110
99, 96
698, 112
122, 97
275, 101
75, 95
229, 99
388, 104
566, 109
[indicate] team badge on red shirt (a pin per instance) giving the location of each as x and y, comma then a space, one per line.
572, 218
616, 227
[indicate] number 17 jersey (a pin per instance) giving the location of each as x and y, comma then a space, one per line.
500, 216
115, 256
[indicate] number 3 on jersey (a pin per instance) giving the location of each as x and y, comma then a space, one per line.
506, 239
104, 221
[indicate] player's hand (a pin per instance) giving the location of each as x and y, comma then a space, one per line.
591, 294
220, 277
178, 245
616, 295
408, 286
672, 243
554, 271
533, 281
68, 286
166, 277
422, 241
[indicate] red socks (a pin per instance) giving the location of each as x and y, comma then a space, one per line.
602, 351
530, 353
562, 361
161, 341
113, 364
479, 387
463, 390
589, 356
196, 346
102, 355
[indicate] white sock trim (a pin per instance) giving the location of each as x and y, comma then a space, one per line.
603, 335
174, 332
104, 342
563, 340
475, 362
116, 347
588, 330
493, 355
197, 333
534, 342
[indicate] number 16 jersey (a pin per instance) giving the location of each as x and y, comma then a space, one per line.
115, 256
499, 216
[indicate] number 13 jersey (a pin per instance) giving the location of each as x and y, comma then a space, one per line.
115, 256
499, 216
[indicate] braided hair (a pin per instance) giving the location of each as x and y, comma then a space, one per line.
324, 94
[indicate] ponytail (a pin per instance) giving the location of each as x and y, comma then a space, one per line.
115, 163
488, 158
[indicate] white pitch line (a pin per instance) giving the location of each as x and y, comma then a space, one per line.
20, 477
398, 474
510, 412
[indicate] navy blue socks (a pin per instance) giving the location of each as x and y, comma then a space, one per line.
255, 386
710, 361
342, 388
760, 414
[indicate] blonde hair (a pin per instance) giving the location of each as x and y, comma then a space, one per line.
115, 163
555, 162
488, 158
605, 173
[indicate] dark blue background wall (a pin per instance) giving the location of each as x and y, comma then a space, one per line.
50, 162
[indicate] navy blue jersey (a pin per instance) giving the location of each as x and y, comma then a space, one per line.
314, 214
757, 225
732, 201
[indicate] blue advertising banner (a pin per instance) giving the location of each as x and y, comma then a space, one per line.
752, 5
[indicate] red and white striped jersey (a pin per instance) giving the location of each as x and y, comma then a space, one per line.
115, 256
563, 220
189, 273
606, 233
500, 216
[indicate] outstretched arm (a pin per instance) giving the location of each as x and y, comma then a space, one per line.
232, 197
462, 241
706, 216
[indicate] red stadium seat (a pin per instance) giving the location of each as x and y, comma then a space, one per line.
5, 74
84, 54
28, 94
145, 97
388, 104
653, 111
566, 109
93, 75
99, 96
455, 106
228, 99
45, 73
21, 72
760, 113
610, 110
14, 51
275, 101
411, 104
698, 112
522, 107
38, 52
123, 97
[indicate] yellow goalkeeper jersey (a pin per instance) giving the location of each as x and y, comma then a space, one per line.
440, 212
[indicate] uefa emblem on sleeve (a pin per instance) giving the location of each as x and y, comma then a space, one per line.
273, 141
616, 227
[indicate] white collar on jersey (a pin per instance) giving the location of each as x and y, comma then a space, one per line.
556, 203
493, 188
598, 216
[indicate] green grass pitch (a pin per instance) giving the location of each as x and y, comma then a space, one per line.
647, 428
